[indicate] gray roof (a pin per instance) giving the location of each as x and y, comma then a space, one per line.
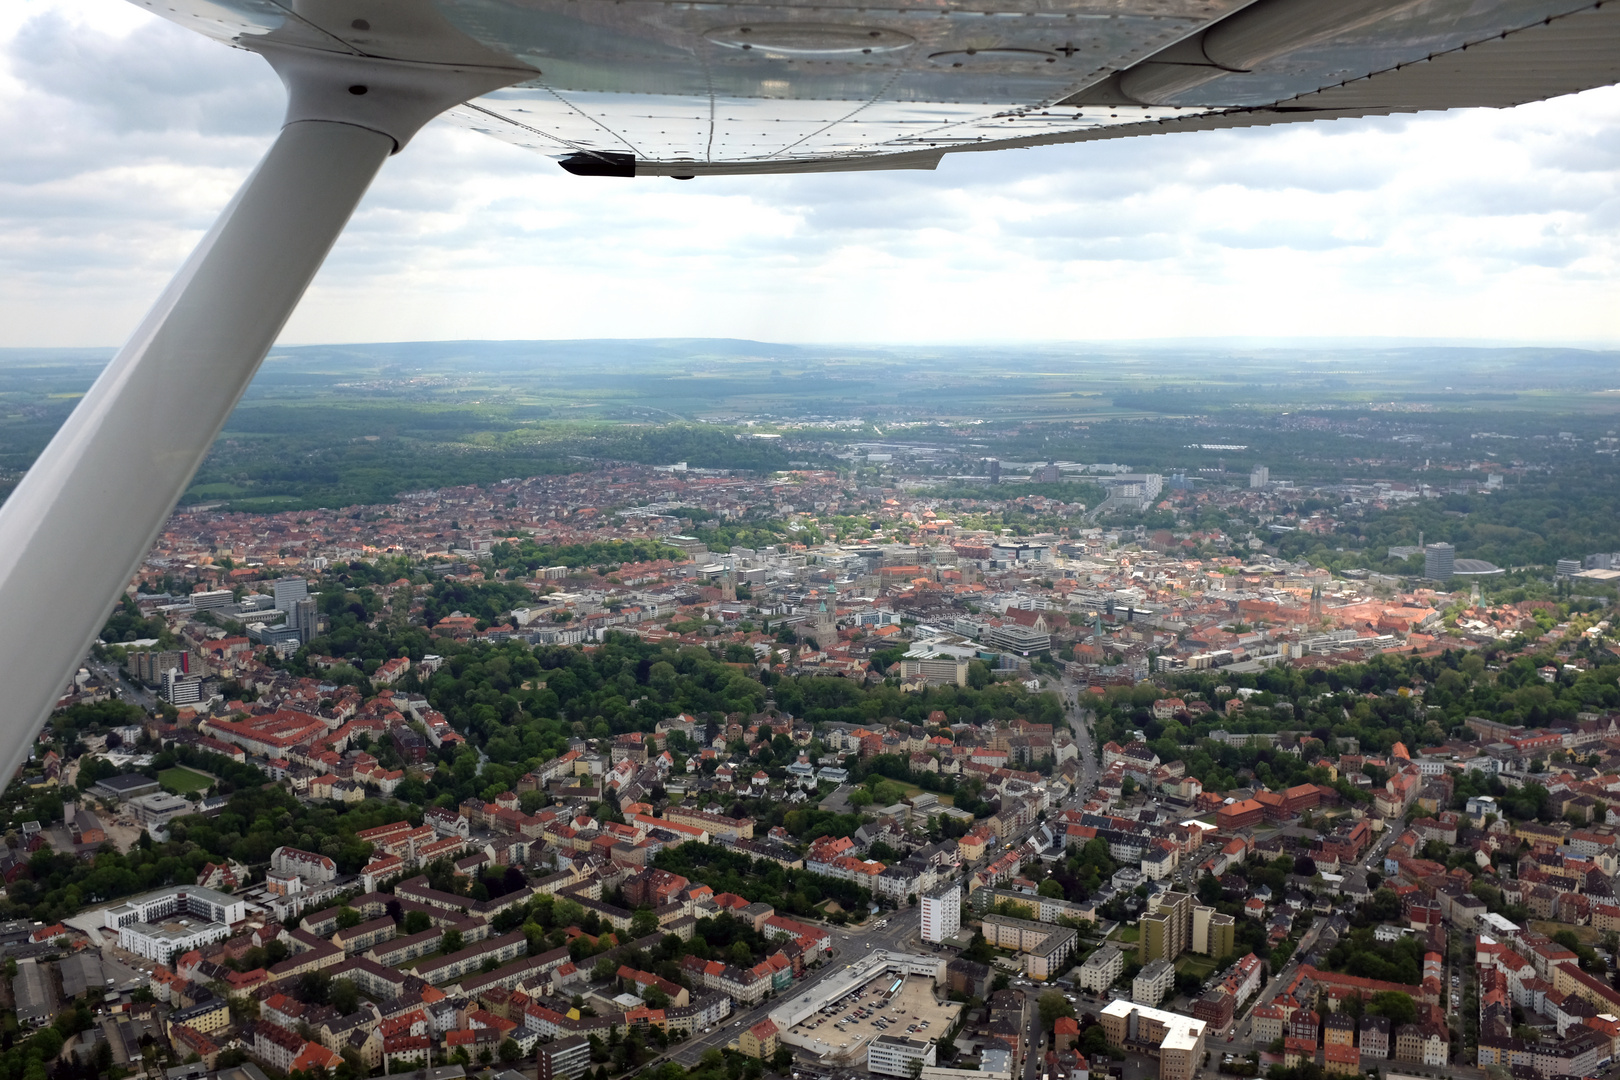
34, 994
126, 783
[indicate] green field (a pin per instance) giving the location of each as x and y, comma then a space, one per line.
184, 781
1194, 964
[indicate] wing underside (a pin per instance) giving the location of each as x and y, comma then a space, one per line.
648, 87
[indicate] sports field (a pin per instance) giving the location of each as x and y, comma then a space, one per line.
184, 781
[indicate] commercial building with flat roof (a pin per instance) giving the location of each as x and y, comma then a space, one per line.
892, 1055
1439, 562
1176, 1040
126, 786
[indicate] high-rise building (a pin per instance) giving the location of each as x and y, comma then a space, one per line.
180, 689
1167, 930
1213, 934
1259, 477
1049, 473
304, 617
290, 590
942, 913
1439, 562
994, 466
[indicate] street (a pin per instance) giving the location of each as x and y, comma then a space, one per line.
849, 944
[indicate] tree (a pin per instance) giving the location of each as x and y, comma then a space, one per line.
417, 922
347, 917
782, 1060
1393, 1004
1095, 1042
510, 1051
741, 955
1053, 1005
1050, 887
344, 996
642, 923
451, 942
1127, 787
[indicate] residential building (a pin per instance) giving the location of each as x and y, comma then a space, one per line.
758, 1041
1166, 931
942, 913
1153, 982
1213, 934
1101, 969
565, 1058
159, 924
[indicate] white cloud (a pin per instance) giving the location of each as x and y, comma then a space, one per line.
122, 135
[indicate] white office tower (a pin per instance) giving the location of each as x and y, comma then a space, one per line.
1259, 477
942, 913
290, 590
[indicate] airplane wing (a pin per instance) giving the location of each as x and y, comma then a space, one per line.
655, 88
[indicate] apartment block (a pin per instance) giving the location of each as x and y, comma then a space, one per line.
1166, 931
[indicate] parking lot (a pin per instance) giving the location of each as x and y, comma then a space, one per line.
843, 1029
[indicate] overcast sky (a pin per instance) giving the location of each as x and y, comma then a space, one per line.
122, 135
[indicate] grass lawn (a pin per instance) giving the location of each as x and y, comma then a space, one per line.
1586, 934
184, 781
1126, 933
1194, 964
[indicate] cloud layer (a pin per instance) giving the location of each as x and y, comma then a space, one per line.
121, 136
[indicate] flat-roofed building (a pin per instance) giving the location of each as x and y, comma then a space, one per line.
566, 1058
1153, 982
1102, 968
942, 913
893, 1055
160, 924
1176, 1040
1213, 934
1166, 931
1044, 946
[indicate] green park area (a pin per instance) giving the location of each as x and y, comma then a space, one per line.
183, 781
1195, 964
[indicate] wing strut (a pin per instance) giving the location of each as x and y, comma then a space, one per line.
84, 516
